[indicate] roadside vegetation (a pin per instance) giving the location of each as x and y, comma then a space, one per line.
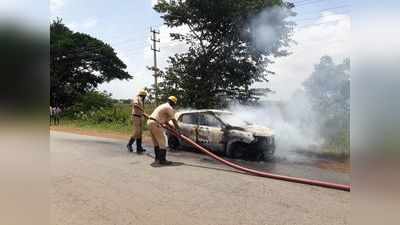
97, 111
328, 89
338, 146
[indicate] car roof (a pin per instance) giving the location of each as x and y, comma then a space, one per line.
203, 111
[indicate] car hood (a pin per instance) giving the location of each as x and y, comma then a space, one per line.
258, 130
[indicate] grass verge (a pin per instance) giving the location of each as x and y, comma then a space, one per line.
112, 130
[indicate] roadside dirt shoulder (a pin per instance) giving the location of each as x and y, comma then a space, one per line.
105, 134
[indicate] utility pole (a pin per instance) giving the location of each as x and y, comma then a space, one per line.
155, 69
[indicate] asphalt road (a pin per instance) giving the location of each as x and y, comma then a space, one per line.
297, 165
96, 181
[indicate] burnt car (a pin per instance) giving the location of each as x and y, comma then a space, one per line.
223, 132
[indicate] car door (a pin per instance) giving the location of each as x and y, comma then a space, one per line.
210, 132
188, 123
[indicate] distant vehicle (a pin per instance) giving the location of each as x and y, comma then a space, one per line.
223, 132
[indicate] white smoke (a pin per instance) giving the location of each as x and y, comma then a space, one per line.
270, 29
294, 123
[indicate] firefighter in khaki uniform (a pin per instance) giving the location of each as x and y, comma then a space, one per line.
163, 114
137, 118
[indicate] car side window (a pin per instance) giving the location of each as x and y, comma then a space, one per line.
209, 120
189, 119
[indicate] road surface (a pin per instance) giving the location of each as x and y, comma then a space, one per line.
96, 181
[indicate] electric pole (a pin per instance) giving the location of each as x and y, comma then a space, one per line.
155, 69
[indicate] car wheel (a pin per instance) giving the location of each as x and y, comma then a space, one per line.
173, 142
268, 154
236, 150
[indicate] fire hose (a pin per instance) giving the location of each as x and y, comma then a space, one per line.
324, 184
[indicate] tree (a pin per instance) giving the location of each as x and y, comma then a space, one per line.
328, 88
79, 63
92, 101
224, 57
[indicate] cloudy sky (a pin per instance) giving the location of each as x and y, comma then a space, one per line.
323, 29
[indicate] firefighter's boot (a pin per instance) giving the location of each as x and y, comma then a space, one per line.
157, 154
163, 155
139, 148
130, 143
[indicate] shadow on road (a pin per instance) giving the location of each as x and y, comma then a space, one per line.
157, 165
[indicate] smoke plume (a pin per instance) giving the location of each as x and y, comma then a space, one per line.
294, 123
271, 31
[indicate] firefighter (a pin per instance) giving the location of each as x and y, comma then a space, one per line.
137, 119
162, 114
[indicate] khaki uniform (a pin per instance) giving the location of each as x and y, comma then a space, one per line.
137, 117
163, 113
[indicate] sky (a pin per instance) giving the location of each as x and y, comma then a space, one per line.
323, 28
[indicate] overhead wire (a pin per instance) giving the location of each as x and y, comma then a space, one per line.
319, 17
321, 23
301, 1
326, 9
344, 7
315, 2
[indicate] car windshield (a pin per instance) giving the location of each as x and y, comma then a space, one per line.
233, 120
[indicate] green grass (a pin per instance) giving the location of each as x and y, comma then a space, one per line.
335, 152
125, 129
116, 119
338, 147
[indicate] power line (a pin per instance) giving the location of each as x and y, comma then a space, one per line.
311, 2
326, 9
319, 17
88, 53
129, 40
325, 41
301, 1
317, 24
134, 50
96, 48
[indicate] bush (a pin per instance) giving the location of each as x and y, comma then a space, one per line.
111, 115
117, 113
339, 144
91, 101
97, 110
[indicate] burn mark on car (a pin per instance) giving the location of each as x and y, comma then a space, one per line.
220, 135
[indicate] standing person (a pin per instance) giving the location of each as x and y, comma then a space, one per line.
54, 113
57, 115
137, 119
163, 114
51, 114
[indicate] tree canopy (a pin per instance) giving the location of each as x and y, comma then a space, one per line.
79, 63
224, 56
328, 89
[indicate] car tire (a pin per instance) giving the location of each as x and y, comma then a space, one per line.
268, 154
173, 142
236, 150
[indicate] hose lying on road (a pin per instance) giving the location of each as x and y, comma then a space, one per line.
252, 171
